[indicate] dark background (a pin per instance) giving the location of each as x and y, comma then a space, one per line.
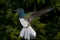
47, 26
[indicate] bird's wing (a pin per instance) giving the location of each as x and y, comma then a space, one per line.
31, 15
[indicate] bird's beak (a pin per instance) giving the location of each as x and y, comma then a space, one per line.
14, 10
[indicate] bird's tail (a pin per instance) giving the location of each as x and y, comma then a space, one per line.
28, 33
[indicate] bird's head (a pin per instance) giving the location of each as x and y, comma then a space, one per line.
20, 11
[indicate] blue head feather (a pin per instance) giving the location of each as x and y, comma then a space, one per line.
21, 12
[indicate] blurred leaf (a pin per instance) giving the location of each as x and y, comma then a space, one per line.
43, 1
57, 37
2, 1
38, 1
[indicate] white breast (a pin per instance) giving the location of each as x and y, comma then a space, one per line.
24, 22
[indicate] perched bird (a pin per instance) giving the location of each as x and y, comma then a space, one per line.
27, 31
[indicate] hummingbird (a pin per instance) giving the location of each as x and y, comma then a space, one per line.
27, 32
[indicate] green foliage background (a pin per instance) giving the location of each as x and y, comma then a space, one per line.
47, 26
